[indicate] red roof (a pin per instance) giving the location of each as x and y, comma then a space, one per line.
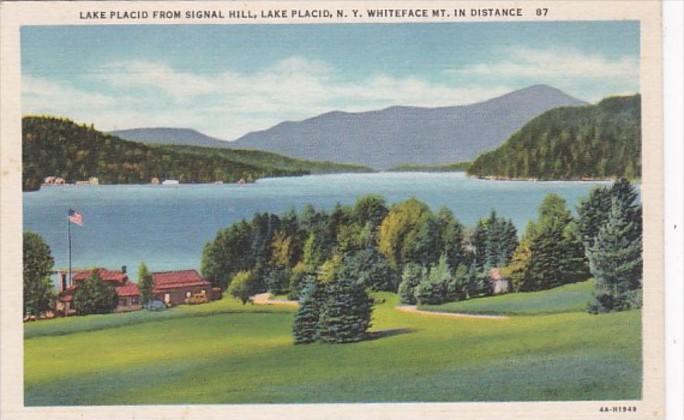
104, 274
178, 279
129, 289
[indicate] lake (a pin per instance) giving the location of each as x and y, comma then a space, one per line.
167, 226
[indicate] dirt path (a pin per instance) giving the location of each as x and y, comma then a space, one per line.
265, 299
414, 310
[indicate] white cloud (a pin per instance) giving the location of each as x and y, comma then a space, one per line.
556, 64
228, 104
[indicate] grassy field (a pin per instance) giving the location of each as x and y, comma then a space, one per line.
568, 298
224, 352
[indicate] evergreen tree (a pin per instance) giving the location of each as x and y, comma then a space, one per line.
277, 280
305, 326
433, 290
457, 284
346, 313
93, 296
370, 269
616, 262
38, 262
411, 277
451, 231
593, 212
145, 284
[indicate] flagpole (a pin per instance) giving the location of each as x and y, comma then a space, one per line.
69, 234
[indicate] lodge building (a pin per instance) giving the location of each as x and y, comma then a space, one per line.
171, 287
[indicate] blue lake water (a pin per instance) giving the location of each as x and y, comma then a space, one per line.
167, 226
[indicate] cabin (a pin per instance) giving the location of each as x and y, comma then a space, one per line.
499, 283
127, 291
179, 287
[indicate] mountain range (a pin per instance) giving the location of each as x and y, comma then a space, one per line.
390, 137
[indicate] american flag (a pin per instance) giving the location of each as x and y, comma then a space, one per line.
75, 217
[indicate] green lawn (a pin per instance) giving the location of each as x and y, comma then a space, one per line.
567, 298
224, 352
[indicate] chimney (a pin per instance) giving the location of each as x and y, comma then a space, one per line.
123, 269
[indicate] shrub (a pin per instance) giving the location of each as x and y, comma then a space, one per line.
93, 296
242, 286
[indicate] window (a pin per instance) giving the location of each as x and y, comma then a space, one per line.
134, 300
122, 302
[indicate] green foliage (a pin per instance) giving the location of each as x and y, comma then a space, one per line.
38, 262
329, 270
346, 312
493, 240
94, 296
594, 141
243, 285
145, 283
433, 290
555, 255
278, 280
298, 278
369, 269
615, 259
305, 326
399, 228
270, 160
229, 253
410, 279
59, 147
370, 209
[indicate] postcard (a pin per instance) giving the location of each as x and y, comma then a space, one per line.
378, 209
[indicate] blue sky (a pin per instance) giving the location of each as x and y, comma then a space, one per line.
227, 80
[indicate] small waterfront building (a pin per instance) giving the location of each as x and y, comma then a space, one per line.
179, 287
154, 180
500, 284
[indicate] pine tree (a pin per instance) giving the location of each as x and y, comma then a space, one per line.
616, 262
410, 279
305, 326
346, 312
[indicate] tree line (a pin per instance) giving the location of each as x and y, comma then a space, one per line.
59, 147
594, 141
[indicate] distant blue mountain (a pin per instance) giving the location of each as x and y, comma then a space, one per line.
174, 136
402, 135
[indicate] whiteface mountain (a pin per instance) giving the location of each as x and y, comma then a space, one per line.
409, 135
383, 139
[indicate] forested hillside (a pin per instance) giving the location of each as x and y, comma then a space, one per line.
257, 157
594, 141
60, 147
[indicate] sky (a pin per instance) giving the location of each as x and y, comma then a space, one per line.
227, 80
